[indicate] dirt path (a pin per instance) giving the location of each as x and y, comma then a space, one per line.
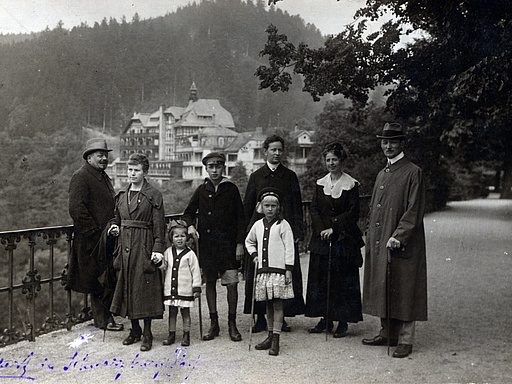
466, 339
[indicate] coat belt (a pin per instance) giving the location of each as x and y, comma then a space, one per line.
136, 224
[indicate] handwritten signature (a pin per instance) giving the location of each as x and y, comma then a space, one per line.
13, 369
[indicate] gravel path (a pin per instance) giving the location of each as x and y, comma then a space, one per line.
469, 248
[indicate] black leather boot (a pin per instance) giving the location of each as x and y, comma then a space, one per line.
134, 336
170, 339
265, 344
261, 324
233, 331
147, 342
185, 342
214, 327
274, 348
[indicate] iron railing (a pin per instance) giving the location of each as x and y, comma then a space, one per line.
28, 310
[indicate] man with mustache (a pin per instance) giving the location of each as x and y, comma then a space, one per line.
396, 287
91, 206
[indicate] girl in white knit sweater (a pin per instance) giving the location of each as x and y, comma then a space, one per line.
270, 242
182, 281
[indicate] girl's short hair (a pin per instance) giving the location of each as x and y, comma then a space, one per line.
336, 149
139, 159
176, 224
259, 206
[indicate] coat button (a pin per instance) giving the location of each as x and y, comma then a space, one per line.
208, 230
379, 205
209, 213
127, 249
377, 224
381, 187
387, 169
210, 195
377, 242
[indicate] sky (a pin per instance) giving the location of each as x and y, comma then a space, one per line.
25, 16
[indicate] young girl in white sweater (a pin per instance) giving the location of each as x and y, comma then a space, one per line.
182, 281
270, 242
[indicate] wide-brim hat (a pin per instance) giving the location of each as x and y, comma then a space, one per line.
392, 131
93, 145
270, 191
214, 157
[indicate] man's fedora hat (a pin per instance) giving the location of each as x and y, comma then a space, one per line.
392, 131
94, 145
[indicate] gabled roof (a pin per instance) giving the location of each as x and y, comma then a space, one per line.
206, 108
295, 134
243, 138
175, 111
217, 131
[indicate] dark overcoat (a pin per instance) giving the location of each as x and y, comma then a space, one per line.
139, 289
91, 206
287, 182
220, 223
340, 214
397, 208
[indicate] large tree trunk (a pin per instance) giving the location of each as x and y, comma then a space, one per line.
506, 192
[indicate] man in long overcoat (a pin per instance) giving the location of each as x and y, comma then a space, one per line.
274, 174
396, 227
217, 206
91, 206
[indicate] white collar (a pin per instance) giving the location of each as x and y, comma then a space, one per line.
272, 167
344, 183
396, 158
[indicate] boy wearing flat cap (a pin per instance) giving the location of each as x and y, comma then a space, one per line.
217, 206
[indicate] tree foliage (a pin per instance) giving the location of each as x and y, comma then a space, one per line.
451, 83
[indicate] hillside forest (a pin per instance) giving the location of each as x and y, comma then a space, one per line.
55, 83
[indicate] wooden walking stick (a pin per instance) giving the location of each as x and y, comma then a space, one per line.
196, 243
200, 317
388, 295
251, 324
329, 263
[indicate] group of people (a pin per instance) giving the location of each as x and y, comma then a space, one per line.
120, 257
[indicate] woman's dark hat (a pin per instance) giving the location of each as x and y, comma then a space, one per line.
94, 145
214, 158
392, 131
269, 191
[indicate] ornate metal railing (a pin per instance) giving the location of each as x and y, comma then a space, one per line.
36, 302
28, 310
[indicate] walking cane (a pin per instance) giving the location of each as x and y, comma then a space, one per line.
251, 324
388, 294
329, 262
196, 243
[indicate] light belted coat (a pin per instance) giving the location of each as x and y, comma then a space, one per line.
396, 210
139, 288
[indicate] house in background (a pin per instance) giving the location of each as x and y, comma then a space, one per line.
175, 139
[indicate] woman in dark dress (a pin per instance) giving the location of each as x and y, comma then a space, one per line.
139, 223
334, 215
